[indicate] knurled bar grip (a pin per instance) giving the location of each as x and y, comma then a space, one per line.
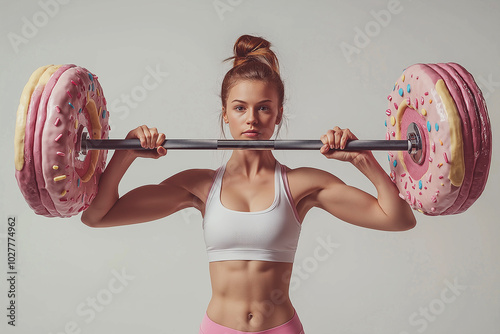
227, 144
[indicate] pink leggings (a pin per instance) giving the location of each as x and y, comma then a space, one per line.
292, 326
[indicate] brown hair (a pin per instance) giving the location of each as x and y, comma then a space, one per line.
253, 60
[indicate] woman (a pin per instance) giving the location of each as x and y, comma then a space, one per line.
252, 206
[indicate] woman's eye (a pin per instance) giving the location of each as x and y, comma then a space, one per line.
239, 108
264, 108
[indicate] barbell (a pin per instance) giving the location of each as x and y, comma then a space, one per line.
413, 145
438, 139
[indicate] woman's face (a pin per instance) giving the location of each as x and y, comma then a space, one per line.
252, 110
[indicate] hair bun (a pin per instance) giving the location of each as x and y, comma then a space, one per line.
251, 48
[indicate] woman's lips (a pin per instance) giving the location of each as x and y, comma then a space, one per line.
251, 133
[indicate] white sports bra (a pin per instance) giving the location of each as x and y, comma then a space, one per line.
268, 235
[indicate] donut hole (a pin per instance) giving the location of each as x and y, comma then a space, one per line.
82, 161
89, 119
416, 170
79, 154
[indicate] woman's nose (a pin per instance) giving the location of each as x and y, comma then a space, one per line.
251, 116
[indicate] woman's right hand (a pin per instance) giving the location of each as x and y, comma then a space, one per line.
150, 138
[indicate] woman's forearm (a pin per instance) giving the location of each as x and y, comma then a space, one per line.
395, 208
107, 194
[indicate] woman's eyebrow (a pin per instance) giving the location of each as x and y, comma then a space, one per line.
240, 101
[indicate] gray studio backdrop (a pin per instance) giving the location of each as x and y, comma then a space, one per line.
339, 61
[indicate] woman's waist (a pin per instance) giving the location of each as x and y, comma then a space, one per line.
251, 315
249, 295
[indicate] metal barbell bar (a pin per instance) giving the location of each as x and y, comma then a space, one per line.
413, 144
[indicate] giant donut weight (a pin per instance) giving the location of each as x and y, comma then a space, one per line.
449, 109
57, 104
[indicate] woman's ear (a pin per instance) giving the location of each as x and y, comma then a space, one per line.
280, 115
224, 115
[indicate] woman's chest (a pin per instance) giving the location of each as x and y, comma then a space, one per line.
247, 196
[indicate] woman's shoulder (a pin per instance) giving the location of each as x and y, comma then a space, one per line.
193, 177
305, 182
195, 181
310, 177
308, 172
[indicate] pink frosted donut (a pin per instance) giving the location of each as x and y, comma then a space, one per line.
63, 183
441, 102
421, 96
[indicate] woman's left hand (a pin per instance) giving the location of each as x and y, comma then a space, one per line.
335, 141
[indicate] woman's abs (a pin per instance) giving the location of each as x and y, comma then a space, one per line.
250, 295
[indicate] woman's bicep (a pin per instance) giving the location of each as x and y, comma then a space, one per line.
147, 203
350, 204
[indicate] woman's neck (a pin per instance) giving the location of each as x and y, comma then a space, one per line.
250, 162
